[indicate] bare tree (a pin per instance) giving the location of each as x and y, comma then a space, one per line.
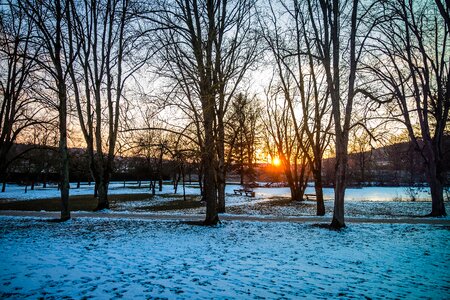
196, 60
109, 41
205, 46
19, 110
287, 141
340, 30
48, 19
361, 149
292, 45
410, 59
235, 54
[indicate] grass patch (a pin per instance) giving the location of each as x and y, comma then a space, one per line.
179, 195
134, 187
272, 206
80, 202
192, 201
278, 201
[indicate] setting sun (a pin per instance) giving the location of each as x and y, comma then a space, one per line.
276, 161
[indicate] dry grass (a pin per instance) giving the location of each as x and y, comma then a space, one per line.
172, 202
191, 201
82, 202
271, 206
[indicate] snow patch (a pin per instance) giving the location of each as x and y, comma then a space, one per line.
166, 259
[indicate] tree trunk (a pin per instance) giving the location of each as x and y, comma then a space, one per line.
44, 184
65, 212
241, 162
437, 191
297, 191
437, 199
176, 180
210, 196
95, 190
210, 191
339, 185
221, 189
154, 188
221, 196
160, 181
221, 172
103, 202
319, 192
64, 153
201, 180
184, 183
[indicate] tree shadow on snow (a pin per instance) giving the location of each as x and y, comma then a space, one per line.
55, 220
327, 226
201, 223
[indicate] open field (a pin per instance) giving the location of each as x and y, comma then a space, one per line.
377, 202
98, 257
146, 246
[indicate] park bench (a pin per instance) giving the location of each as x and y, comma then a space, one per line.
247, 192
311, 197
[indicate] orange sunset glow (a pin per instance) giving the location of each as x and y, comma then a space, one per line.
276, 161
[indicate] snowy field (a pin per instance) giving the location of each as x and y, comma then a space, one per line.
371, 202
17, 192
103, 258
14, 191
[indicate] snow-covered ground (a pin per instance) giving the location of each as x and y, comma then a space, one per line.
14, 191
17, 192
104, 258
369, 209
378, 202
359, 194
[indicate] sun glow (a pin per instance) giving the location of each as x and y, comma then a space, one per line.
276, 161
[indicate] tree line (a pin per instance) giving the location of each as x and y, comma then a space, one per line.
330, 72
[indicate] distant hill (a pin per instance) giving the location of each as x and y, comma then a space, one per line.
397, 164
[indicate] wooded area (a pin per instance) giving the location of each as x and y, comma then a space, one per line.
212, 87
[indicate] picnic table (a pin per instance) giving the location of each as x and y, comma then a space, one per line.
248, 192
311, 197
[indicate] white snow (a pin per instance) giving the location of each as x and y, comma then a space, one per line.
14, 191
357, 194
17, 192
104, 258
378, 202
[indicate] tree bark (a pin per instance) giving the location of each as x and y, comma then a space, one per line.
160, 176
62, 96
297, 192
209, 194
435, 181
221, 184
221, 172
318, 186
102, 189
65, 212
339, 186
